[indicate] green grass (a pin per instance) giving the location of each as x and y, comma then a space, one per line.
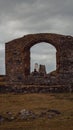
38, 103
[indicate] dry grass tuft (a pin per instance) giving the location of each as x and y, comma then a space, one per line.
38, 103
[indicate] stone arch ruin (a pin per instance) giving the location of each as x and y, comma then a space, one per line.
18, 57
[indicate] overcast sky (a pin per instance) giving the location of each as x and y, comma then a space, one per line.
21, 17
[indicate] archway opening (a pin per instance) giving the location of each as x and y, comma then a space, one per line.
43, 54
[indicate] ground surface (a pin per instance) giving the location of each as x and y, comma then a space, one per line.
38, 103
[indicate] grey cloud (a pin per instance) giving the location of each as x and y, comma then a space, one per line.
20, 17
43, 49
38, 16
2, 59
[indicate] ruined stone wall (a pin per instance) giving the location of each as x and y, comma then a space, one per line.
18, 57
66, 59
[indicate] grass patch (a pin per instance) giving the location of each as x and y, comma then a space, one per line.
38, 103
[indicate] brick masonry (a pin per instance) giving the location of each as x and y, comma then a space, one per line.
18, 57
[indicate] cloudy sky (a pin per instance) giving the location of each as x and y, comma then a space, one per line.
21, 17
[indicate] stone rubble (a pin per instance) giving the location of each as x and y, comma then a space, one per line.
29, 115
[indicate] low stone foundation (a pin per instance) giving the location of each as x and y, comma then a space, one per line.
36, 89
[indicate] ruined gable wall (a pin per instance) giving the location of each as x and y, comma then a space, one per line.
18, 56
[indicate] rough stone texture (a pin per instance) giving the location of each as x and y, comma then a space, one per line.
42, 69
18, 57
